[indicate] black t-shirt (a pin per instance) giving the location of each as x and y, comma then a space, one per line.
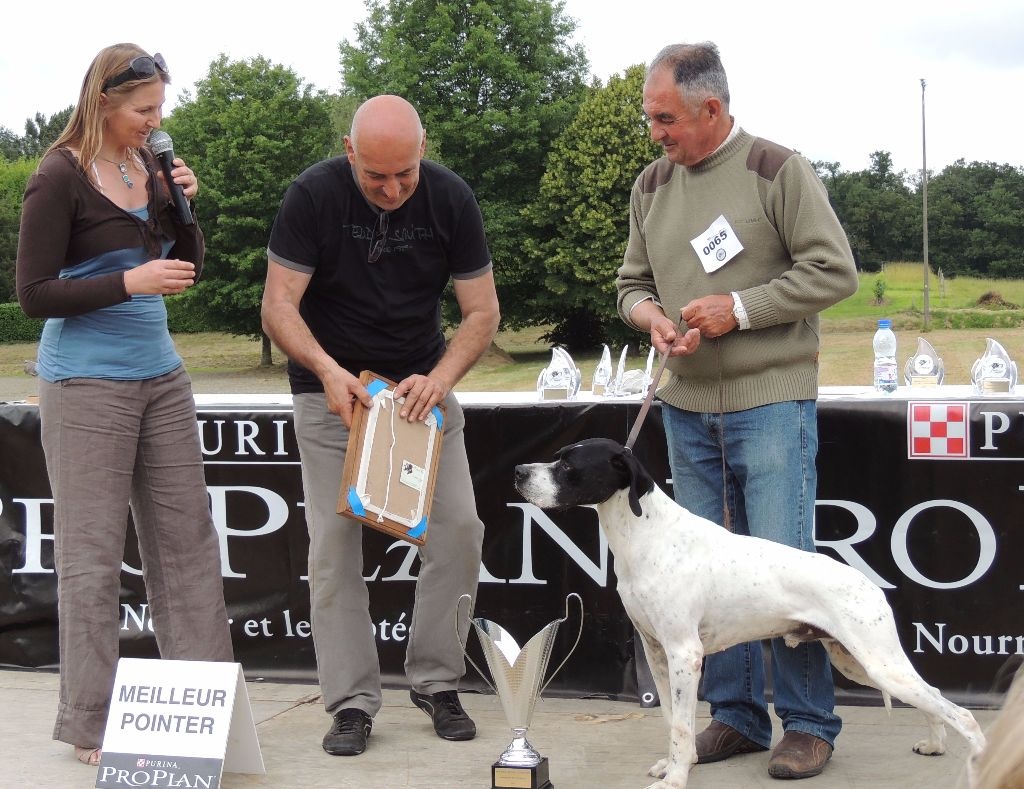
383, 316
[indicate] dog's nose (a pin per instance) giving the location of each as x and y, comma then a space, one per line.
520, 474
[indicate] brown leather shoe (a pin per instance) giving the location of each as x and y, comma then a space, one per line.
719, 741
799, 755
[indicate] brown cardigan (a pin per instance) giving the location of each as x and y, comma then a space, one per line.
65, 220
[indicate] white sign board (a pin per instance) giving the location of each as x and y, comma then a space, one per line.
178, 723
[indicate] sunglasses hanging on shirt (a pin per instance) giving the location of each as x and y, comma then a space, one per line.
380, 237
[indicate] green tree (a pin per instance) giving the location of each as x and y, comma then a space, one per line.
343, 108
579, 223
495, 83
976, 219
40, 131
10, 145
251, 128
13, 177
878, 210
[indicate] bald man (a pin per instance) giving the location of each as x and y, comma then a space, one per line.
361, 250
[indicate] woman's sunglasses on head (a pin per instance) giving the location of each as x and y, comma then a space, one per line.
141, 67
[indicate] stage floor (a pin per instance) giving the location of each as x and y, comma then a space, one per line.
591, 744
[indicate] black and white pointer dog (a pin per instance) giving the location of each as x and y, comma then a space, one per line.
692, 588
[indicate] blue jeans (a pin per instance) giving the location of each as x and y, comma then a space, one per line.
770, 481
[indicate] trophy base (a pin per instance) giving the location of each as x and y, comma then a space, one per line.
503, 777
995, 385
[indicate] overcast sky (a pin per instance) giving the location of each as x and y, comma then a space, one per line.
835, 81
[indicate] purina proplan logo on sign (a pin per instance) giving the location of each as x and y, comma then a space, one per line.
195, 773
961, 430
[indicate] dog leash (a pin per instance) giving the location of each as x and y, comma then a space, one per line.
638, 423
640, 417
726, 515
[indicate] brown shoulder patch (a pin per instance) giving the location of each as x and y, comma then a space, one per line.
656, 174
766, 158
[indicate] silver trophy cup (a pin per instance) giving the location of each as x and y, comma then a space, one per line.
518, 680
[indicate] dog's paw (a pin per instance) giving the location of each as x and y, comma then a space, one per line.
928, 747
670, 779
678, 782
658, 768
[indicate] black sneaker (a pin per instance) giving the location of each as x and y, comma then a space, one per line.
450, 721
347, 736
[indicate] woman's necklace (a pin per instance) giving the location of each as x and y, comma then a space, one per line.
123, 169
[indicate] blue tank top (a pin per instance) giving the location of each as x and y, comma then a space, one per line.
126, 341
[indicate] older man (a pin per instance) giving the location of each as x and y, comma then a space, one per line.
733, 236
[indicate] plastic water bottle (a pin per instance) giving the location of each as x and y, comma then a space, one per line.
884, 344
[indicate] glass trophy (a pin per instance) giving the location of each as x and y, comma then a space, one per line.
560, 380
630, 382
617, 386
648, 371
924, 368
602, 373
994, 372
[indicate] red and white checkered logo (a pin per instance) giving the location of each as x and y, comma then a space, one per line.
938, 430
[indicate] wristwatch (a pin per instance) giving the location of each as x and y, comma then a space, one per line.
739, 313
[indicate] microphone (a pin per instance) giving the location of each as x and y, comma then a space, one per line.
162, 147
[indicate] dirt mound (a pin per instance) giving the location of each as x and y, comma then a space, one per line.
993, 301
496, 355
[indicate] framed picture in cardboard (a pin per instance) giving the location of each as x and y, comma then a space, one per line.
391, 464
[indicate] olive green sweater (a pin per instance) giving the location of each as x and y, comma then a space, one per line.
795, 262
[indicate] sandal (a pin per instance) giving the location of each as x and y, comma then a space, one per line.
89, 756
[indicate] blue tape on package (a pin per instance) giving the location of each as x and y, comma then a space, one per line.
418, 530
355, 503
375, 387
438, 416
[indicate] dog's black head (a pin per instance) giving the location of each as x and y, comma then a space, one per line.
587, 473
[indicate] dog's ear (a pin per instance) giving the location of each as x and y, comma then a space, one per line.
636, 474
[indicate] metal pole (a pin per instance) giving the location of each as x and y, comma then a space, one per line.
924, 208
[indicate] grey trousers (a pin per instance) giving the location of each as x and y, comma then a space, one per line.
346, 653
108, 443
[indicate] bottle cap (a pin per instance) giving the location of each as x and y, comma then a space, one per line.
884, 323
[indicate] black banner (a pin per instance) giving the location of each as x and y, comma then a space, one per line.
924, 497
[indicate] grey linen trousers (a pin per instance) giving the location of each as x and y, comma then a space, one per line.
346, 652
108, 443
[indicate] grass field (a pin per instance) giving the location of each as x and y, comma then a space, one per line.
954, 303
221, 363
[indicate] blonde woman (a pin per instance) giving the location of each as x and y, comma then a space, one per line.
99, 248
1001, 764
